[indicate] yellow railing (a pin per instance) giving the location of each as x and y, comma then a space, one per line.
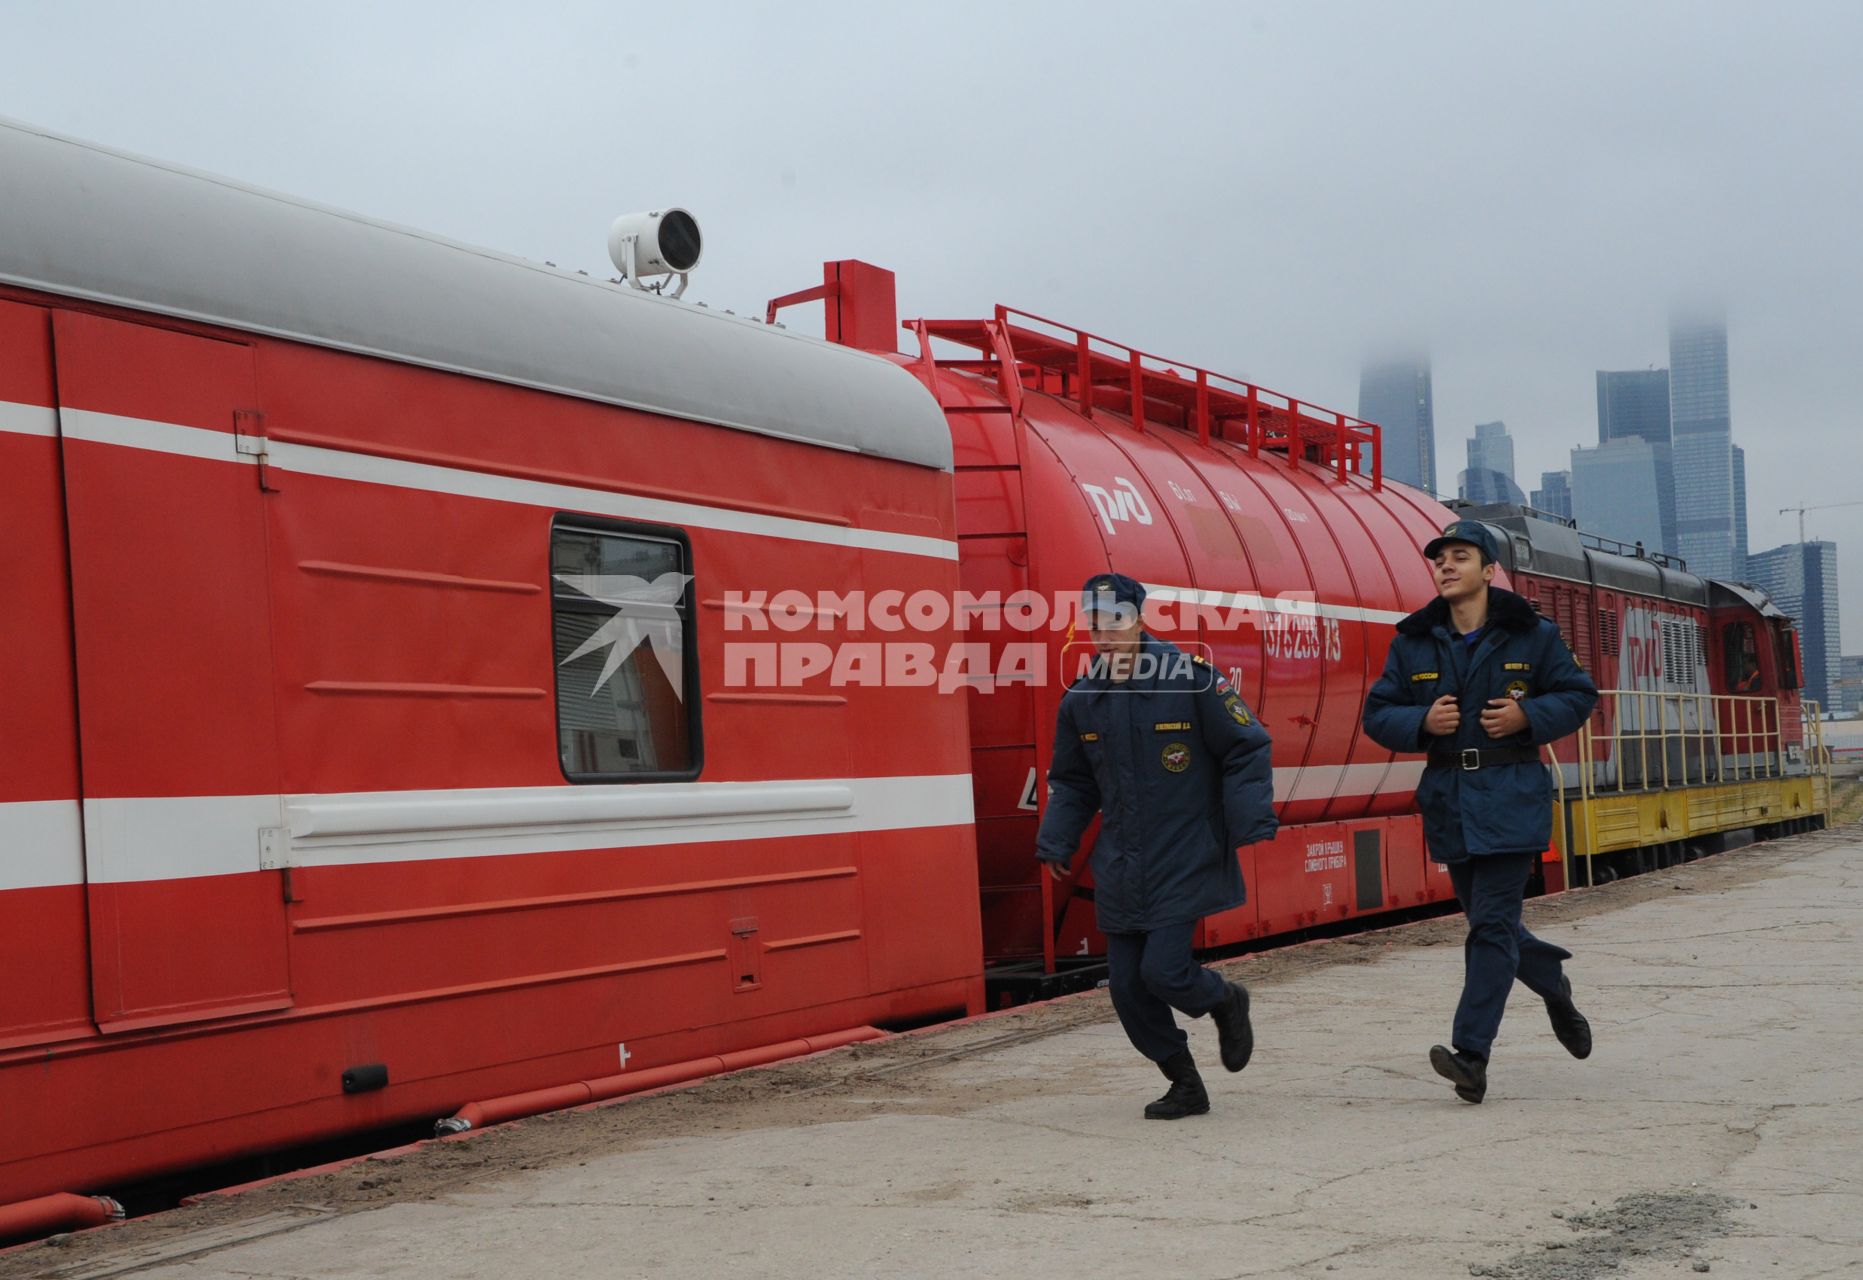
1667, 741
1821, 760
1712, 737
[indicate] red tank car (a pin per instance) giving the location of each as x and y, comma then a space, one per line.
1263, 528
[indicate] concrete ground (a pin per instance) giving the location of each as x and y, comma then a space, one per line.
1717, 1126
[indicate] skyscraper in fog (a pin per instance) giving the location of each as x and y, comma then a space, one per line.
1702, 432
1396, 395
1554, 496
1633, 402
1801, 577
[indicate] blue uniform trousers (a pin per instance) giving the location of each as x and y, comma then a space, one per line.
1153, 973
1498, 948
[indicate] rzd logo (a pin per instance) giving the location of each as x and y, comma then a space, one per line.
1124, 504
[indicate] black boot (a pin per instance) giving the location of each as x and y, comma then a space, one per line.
1465, 1071
1568, 1023
1233, 1031
1186, 1096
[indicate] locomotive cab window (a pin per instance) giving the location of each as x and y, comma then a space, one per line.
626, 657
1741, 655
1788, 659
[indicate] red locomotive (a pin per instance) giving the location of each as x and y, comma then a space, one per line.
402, 711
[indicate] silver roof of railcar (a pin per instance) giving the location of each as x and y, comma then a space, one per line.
89, 222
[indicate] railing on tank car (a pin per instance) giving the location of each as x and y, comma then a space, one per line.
1023, 349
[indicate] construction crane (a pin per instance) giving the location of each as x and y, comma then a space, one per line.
1822, 506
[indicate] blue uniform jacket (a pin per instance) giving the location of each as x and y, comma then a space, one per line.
1180, 770
1502, 808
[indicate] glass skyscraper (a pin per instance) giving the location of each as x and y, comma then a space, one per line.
1701, 429
1851, 681
1801, 578
1740, 512
1491, 449
1490, 474
1633, 402
1554, 496
1396, 395
1617, 492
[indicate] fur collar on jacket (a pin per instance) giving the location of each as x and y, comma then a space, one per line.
1506, 610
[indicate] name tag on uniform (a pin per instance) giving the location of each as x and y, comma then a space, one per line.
1516, 666
1089, 737
1426, 675
1171, 726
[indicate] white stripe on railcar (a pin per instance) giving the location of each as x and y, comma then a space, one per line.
338, 464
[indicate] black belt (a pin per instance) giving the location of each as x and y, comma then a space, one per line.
1471, 758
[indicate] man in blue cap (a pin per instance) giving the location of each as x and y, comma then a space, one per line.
1157, 742
1480, 681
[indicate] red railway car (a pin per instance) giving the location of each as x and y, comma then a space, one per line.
427, 676
317, 770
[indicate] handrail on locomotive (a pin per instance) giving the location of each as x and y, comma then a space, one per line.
1694, 740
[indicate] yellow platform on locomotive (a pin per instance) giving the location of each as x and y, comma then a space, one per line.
1610, 821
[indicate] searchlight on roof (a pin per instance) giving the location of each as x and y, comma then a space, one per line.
664, 243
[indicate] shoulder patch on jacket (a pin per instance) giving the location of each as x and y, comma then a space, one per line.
1426, 675
1237, 712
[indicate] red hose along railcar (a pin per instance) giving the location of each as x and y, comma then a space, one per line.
340, 787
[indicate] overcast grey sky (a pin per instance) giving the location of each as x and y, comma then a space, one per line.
1265, 188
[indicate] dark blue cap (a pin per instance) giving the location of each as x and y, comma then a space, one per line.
1473, 532
1112, 593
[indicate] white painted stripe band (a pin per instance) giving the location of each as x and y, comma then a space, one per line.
27, 419
168, 838
338, 464
41, 843
1295, 605
1346, 782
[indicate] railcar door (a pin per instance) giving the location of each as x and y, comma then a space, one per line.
172, 637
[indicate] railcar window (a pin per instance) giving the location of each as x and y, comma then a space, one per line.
626, 666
